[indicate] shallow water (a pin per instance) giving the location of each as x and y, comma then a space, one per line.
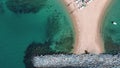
17, 31
111, 28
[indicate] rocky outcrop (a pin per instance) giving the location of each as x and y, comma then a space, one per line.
77, 61
37, 49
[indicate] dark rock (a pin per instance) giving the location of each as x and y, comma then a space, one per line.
53, 24
111, 47
58, 27
37, 49
25, 6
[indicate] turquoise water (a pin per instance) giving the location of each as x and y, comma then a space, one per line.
111, 32
17, 31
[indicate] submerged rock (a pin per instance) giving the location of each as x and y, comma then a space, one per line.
111, 47
25, 6
37, 49
59, 40
60, 33
111, 38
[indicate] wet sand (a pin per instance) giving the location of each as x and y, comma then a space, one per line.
87, 24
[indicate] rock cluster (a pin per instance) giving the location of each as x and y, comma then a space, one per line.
77, 61
37, 49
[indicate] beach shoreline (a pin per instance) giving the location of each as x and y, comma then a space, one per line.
87, 36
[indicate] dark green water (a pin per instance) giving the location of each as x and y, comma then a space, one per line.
17, 31
111, 32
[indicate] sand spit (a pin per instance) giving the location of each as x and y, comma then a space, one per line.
87, 23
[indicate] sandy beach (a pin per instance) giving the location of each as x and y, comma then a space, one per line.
87, 24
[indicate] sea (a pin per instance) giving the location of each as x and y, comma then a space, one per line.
111, 28
17, 31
